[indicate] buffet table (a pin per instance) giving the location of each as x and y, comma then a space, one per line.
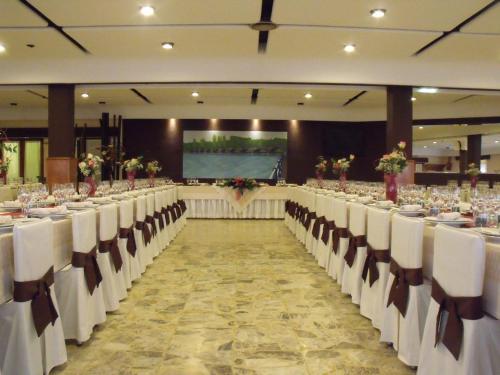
214, 202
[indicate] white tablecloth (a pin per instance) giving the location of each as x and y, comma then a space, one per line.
207, 201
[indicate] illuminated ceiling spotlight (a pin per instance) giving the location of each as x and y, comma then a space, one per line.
427, 90
377, 13
147, 10
413, 98
420, 127
308, 95
167, 45
349, 48
85, 95
195, 94
2, 48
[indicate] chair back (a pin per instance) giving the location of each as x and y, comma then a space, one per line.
150, 204
126, 213
84, 231
328, 208
140, 213
378, 231
158, 200
340, 212
108, 221
357, 219
407, 235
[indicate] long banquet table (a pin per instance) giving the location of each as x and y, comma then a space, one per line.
209, 201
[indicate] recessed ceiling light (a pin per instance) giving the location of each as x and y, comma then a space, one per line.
427, 90
497, 141
349, 48
308, 95
420, 127
2, 48
147, 10
167, 45
377, 13
434, 142
85, 95
425, 146
195, 94
413, 98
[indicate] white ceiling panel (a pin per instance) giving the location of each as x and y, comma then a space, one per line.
401, 14
48, 44
199, 42
115, 97
328, 43
182, 96
465, 47
488, 22
15, 14
24, 99
320, 97
126, 12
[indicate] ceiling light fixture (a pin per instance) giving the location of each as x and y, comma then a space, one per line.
434, 142
427, 90
425, 146
413, 98
497, 141
308, 95
147, 10
349, 48
2, 48
420, 127
85, 95
195, 94
167, 45
377, 13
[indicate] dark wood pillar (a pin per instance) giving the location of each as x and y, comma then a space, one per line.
61, 163
474, 149
399, 117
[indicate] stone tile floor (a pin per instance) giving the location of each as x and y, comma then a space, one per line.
234, 297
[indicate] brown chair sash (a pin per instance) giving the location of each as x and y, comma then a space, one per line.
111, 247
354, 243
400, 288
151, 221
146, 234
458, 308
172, 211
327, 227
157, 215
88, 261
43, 310
182, 205
291, 208
178, 210
287, 204
128, 233
372, 257
166, 216
303, 217
338, 233
310, 217
317, 226
298, 212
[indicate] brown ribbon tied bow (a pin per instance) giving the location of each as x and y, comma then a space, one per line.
338, 233
303, 218
158, 215
354, 243
317, 226
327, 227
111, 247
458, 308
43, 310
374, 256
400, 288
128, 233
183, 206
172, 212
146, 234
178, 210
88, 261
310, 217
151, 221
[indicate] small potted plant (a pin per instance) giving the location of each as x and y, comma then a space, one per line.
320, 168
392, 164
340, 167
89, 166
131, 166
152, 168
473, 173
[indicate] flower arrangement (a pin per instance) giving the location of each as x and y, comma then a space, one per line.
89, 164
153, 167
4, 164
133, 164
241, 184
394, 162
472, 171
321, 166
342, 165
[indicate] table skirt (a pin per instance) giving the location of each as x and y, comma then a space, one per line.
222, 209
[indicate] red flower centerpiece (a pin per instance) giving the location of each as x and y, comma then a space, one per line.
340, 167
320, 169
89, 166
473, 173
240, 184
392, 164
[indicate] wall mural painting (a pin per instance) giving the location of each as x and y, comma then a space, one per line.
226, 154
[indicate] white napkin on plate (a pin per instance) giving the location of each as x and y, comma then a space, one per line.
411, 207
449, 216
49, 210
5, 219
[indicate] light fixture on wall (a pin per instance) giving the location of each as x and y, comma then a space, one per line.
167, 45
413, 98
85, 95
147, 10
349, 48
377, 13
195, 94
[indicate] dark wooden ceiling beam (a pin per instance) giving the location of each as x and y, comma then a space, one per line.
457, 28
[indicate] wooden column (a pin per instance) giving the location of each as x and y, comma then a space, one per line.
61, 162
474, 149
399, 117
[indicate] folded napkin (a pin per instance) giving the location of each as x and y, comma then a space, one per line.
12, 204
410, 207
365, 199
449, 216
49, 210
385, 203
99, 199
5, 219
79, 204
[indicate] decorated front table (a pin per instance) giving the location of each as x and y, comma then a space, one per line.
222, 202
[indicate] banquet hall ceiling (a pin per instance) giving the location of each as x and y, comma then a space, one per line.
214, 43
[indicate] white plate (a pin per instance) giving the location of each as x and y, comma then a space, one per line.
411, 213
54, 216
454, 223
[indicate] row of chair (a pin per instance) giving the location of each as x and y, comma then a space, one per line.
111, 248
376, 257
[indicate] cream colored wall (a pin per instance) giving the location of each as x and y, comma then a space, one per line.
493, 164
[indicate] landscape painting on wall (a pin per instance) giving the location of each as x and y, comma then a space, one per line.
227, 154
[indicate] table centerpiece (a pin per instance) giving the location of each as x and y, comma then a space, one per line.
473, 173
89, 166
340, 167
131, 166
240, 184
320, 168
392, 164
152, 168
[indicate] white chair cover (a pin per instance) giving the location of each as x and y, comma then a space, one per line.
336, 261
405, 332
378, 236
131, 265
351, 278
173, 227
312, 197
113, 282
145, 257
166, 217
323, 250
321, 207
162, 233
21, 350
459, 263
154, 246
80, 310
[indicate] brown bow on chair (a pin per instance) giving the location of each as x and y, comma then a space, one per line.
307, 222
317, 226
182, 205
128, 233
172, 211
372, 257
88, 261
151, 221
157, 215
111, 246
470, 308
400, 288
338, 233
354, 243
178, 210
303, 218
43, 310
146, 234
164, 213
327, 227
